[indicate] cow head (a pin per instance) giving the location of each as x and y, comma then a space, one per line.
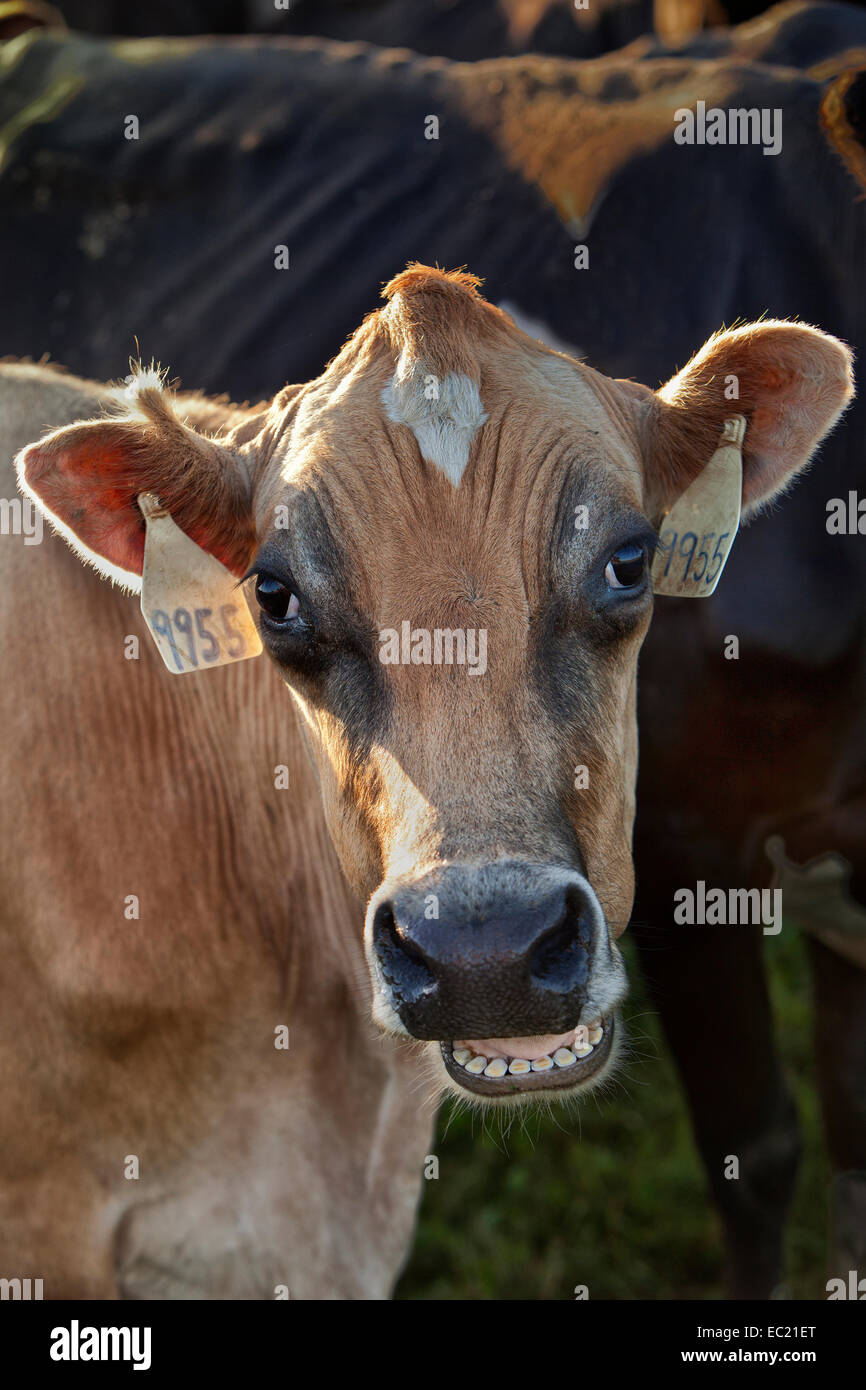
450, 533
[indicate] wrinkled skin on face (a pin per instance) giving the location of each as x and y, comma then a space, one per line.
449, 487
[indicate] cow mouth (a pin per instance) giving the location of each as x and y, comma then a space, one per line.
520, 1066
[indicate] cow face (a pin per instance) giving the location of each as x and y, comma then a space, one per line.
449, 536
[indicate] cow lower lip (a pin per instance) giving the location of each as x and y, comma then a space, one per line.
560, 1075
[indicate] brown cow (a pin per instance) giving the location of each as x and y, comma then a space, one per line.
450, 534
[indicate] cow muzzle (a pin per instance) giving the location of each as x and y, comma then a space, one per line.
508, 966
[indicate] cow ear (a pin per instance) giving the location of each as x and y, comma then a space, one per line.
87, 478
791, 383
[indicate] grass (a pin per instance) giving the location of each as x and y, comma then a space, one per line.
612, 1196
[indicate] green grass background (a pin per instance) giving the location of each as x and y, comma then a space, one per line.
612, 1196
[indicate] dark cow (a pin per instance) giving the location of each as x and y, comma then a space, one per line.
747, 768
459, 29
464, 30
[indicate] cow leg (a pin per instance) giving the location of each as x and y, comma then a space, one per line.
709, 987
839, 990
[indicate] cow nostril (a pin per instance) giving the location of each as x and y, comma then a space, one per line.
402, 963
560, 960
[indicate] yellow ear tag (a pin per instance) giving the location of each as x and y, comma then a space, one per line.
696, 535
195, 611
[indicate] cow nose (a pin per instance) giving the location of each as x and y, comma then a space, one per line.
492, 963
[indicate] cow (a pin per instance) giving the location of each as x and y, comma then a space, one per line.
533, 157
463, 30
410, 909
502, 183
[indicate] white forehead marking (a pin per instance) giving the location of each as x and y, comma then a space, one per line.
443, 413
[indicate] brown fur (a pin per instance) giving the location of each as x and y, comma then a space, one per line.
155, 1037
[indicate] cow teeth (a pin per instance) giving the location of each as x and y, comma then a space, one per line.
498, 1067
586, 1036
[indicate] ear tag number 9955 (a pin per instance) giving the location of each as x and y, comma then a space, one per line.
196, 613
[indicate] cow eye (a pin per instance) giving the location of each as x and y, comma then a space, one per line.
276, 599
625, 568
